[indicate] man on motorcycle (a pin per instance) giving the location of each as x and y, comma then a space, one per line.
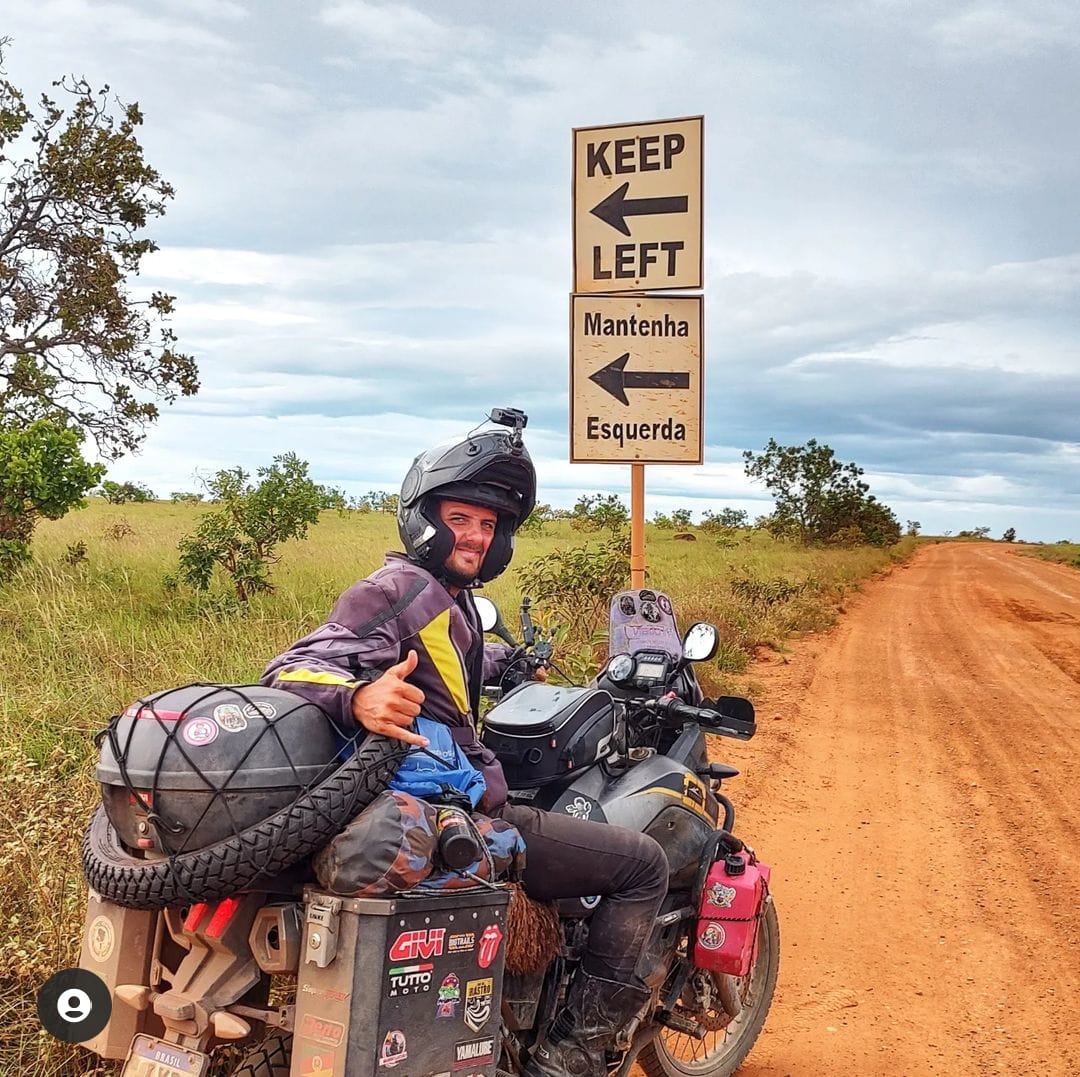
408, 639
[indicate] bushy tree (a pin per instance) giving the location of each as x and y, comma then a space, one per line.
818, 497
913, 528
724, 520
186, 496
75, 195
1009, 535
241, 536
375, 501
682, 519
599, 512
663, 521
533, 524
119, 493
42, 475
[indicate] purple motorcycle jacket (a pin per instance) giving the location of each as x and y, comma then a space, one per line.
373, 625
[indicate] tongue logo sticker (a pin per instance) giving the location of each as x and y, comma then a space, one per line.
489, 945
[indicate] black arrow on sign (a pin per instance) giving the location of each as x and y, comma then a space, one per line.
617, 207
616, 379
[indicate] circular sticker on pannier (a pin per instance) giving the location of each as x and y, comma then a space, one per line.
199, 732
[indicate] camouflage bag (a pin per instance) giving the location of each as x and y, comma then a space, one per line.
387, 848
391, 846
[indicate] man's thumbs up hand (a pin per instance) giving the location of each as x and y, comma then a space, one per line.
389, 705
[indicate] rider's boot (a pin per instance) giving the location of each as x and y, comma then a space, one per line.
596, 1011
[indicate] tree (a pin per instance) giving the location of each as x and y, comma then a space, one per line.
597, 512
682, 519
118, 493
243, 534
75, 343
724, 520
1009, 535
42, 474
913, 528
818, 497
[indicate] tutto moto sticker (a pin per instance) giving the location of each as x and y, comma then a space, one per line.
321, 1031
489, 945
230, 717
393, 1051
410, 945
712, 937
720, 895
478, 996
461, 942
198, 732
449, 997
474, 1053
410, 980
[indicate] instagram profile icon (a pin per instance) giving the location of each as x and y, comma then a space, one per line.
74, 1005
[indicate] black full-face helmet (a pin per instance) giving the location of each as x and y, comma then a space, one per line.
489, 467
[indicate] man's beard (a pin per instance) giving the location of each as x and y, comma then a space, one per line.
457, 579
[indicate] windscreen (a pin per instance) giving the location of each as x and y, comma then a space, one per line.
643, 621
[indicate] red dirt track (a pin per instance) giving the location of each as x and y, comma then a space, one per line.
915, 783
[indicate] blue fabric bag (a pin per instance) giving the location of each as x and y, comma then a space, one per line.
426, 772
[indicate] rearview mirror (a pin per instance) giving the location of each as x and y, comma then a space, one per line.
700, 642
489, 612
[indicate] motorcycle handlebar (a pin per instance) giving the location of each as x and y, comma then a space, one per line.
714, 720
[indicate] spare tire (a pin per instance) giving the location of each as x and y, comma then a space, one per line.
258, 852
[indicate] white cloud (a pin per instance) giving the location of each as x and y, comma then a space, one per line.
391, 31
992, 30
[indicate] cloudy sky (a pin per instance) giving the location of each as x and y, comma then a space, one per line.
370, 243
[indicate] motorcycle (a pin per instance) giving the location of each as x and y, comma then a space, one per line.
190, 956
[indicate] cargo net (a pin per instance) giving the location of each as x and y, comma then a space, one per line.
190, 768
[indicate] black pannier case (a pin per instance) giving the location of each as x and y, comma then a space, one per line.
542, 732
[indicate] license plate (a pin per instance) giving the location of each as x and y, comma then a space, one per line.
151, 1057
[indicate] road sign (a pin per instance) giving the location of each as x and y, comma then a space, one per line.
637, 206
635, 379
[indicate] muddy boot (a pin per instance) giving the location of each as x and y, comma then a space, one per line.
596, 1012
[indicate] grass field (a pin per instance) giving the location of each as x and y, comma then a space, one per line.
1068, 553
80, 641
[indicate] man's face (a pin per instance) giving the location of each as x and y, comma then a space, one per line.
474, 528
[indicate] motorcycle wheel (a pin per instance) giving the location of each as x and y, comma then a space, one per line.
721, 1052
259, 852
271, 1058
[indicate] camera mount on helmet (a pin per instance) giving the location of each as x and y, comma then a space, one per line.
489, 467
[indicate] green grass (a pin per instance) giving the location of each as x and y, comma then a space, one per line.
78, 642
1066, 553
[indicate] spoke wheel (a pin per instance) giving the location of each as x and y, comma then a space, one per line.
728, 1038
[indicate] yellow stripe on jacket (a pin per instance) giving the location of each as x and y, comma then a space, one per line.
316, 676
435, 636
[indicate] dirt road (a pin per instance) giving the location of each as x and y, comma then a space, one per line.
915, 782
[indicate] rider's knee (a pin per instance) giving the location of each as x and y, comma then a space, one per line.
653, 860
